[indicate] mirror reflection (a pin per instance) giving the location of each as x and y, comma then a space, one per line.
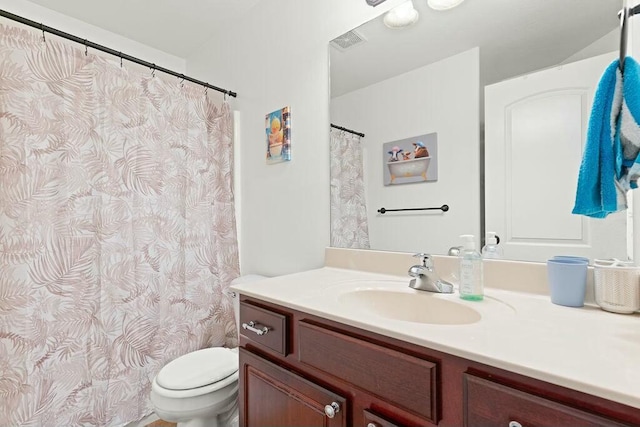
497, 96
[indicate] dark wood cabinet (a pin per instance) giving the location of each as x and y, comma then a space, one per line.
275, 397
489, 404
287, 378
267, 328
373, 420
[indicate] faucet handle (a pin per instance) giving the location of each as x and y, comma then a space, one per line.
426, 259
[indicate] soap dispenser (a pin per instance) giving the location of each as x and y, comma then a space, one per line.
471, 272
491, 249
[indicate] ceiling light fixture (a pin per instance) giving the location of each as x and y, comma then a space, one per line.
443, 4
401, 16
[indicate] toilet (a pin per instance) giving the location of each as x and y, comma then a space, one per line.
200, 389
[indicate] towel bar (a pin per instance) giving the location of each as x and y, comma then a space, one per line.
442, 208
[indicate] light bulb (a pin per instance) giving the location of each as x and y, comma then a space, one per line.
443, 4
401, 16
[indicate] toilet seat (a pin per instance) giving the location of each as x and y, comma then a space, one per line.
197, 373
231, 380
198, 369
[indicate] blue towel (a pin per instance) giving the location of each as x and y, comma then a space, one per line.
627, 141
610, 162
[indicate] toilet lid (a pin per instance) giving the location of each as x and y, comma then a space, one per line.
198, 369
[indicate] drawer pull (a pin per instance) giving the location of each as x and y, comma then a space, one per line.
332, 409
253, 327
514, 424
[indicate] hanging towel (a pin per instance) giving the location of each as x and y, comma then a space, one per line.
628, 135
609, 168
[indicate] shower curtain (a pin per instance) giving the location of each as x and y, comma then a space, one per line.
117, 231
349, 227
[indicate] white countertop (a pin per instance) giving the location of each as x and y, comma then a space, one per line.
586, 349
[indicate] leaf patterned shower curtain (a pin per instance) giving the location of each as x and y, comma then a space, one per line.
349, 225
117, 231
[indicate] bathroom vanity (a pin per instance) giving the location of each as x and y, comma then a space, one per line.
335, 354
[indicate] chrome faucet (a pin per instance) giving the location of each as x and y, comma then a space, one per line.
426, 278
455, 250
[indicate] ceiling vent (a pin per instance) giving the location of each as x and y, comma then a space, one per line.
347, 40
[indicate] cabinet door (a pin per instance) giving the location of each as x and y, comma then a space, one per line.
275, 397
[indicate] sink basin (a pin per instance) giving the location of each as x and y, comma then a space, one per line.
416, 306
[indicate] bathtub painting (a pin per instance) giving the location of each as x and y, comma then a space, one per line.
409, 168
411, 160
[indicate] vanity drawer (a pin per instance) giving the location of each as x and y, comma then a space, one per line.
407, 382
487, 404
254, 321
373, 420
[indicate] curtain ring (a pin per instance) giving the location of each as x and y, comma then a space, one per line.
44, 39
120, 59
153, 70
206, 89
225, 96
86, 48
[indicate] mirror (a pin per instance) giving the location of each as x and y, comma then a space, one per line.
431, 80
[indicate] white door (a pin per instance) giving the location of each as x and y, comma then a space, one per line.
535, 129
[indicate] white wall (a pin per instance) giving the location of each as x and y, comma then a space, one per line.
608, 43
277, 55
444, 98
92, 33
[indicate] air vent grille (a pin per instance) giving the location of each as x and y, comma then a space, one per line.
347, 40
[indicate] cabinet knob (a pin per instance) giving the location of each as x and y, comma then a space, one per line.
372, 425
332, 409
514, 424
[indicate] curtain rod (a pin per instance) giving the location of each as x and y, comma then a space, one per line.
347, 130
110, 51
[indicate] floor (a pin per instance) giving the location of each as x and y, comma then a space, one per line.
161, 423
233, 422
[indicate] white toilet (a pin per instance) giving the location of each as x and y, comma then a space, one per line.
200, 389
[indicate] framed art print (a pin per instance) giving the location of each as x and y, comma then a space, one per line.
278, 131
411, 160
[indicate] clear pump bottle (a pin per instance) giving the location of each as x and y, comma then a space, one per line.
491, 249
471, 272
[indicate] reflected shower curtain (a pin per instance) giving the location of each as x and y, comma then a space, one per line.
349, 227
117, 231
